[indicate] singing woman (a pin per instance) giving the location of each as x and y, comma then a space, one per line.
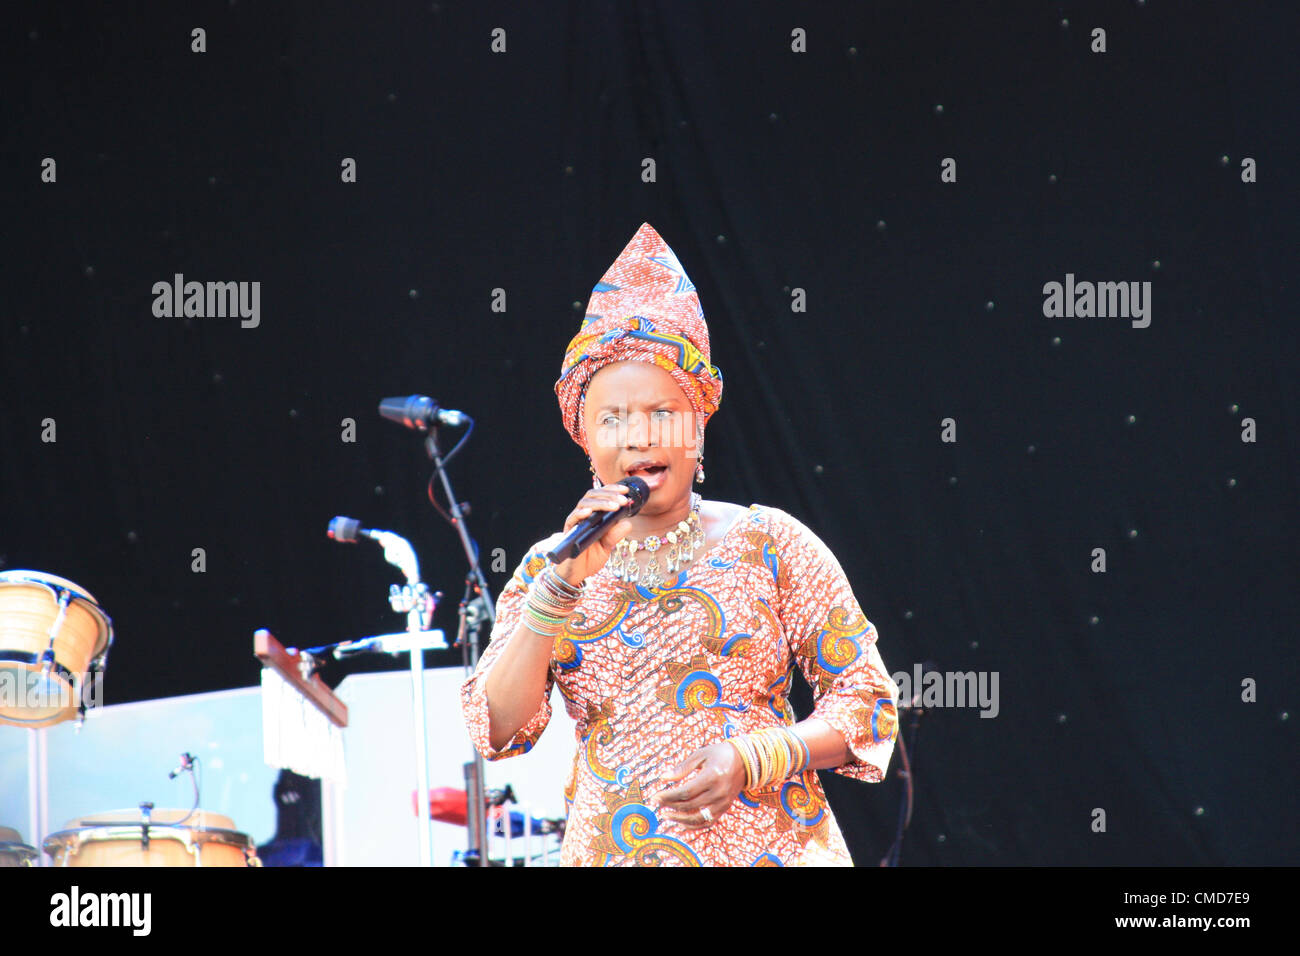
673, 639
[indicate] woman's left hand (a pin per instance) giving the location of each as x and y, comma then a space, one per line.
716, 777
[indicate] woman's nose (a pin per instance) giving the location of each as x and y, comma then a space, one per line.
638, 431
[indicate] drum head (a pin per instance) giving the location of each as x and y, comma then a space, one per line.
24, 576
200, 819
176, 838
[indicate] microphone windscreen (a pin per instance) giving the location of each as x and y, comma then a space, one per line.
638, 491
344, 529
411, 411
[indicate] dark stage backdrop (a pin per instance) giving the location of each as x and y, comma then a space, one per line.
1167, 440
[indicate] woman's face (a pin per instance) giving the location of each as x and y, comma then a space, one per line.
639, 422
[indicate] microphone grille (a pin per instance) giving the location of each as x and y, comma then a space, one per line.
638, 491
344, 529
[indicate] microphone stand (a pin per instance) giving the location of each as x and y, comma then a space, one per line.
414, 600
906, 772
473, 612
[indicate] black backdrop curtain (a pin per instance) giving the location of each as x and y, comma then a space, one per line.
775, 171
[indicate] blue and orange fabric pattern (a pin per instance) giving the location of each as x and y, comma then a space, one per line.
651, 674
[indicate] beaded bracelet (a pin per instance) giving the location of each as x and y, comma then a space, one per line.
551, 600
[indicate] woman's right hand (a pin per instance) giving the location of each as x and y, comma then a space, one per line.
593, 558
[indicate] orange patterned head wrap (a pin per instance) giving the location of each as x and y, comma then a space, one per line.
643, 309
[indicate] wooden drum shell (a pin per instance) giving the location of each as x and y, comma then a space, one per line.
115, 839
29, 608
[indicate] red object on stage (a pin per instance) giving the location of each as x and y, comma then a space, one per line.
446, 805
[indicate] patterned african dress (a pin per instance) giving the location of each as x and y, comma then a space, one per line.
652, 674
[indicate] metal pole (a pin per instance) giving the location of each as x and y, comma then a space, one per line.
476, 850
528, 835
34, 799
415, 624
508, 828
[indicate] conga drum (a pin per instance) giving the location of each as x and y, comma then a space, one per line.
53, 639
13, 851
169, 838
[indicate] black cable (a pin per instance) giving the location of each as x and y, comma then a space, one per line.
194, 779
895, 850
450, 455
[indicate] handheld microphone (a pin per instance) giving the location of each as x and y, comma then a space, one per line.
593, 527
419, 412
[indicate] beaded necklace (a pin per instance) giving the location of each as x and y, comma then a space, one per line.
679, 546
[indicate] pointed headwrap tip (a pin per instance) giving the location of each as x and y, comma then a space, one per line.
644, 308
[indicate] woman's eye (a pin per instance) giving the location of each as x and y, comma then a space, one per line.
610, 421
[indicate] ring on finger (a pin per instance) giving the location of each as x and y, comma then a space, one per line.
707, 814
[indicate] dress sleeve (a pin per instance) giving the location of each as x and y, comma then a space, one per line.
473, 692
835, 647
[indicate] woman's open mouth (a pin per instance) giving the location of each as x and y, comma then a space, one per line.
653, 475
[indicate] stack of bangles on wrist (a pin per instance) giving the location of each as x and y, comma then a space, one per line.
551, 600
771, 755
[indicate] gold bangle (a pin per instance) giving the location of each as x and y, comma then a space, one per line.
740, 744
771, 755
782, 756
804, 758
767, 758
